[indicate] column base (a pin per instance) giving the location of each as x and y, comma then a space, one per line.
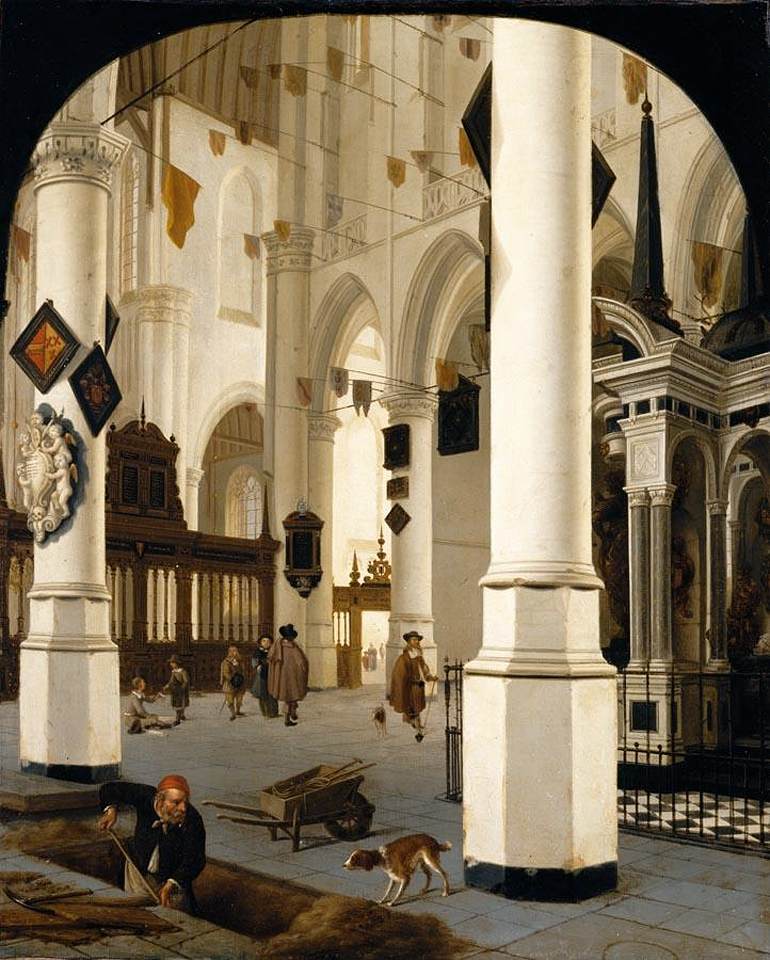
546, 884
322, 665
72, 772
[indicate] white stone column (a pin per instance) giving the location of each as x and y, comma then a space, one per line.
540, 715
69, 703
411, 581
164, 316
288, 306
193, 477
661, 652
319, 632
639, 574
717, 652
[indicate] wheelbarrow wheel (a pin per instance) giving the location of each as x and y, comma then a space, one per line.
355, 821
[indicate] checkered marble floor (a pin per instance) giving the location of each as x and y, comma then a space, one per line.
695, 814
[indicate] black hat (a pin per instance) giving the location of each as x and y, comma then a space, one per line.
412, 633
287, 631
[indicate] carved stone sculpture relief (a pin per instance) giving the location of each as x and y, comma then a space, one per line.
46, 473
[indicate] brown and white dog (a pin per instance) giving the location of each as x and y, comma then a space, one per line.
400, 859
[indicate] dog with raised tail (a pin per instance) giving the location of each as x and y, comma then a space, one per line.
400, 859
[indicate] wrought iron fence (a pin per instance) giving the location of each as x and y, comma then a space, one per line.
453, 729
693, 753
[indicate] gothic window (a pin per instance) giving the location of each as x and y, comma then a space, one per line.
244, 504
238, 275
129, 223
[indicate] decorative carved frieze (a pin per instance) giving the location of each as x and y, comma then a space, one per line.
77, 151
345, 239
402, 405
662, 496
322, 427
637, 498
296, 253
164, 304
644, 458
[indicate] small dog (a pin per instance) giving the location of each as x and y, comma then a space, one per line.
400, 859
379, 720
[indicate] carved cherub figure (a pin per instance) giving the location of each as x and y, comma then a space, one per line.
63, 475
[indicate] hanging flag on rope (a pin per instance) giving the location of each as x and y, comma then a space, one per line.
396, 171
251, 246
362, 396
447, 376
440, 21
338, 381
304, 390
467, 156
217, 142
250, 77
243, 132
485, 226
334, 208
422, 159
634, 78
478, 341
283, 229
178, 194
470, 48
707, 260
20, 245
295, 80
274, 71
335, 63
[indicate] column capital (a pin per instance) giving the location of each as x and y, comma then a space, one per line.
322, 426
294, 254
194, 476
637, 496
717, 507
404, 405
77, 151
161, 303
662, 495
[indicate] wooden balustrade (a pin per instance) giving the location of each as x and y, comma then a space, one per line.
173, 590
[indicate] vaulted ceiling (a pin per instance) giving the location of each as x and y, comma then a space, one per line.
230, 81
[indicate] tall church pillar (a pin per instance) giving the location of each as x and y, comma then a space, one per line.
639, 573
69, 702
164, 314
540, 712
717, 652
661, 650
320, 648
193, 477
286, 447
411, 590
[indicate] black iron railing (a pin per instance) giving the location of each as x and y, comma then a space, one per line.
453, 730
692, 753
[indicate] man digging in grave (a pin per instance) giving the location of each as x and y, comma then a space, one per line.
169, 844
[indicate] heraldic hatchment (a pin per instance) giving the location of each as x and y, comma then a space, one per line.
46, 473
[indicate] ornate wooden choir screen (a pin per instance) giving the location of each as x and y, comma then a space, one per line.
350, 602
173, 590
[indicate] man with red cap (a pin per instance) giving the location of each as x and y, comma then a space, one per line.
169, 845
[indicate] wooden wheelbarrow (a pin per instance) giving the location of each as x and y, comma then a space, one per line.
324, 794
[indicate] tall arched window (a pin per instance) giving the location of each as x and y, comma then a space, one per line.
129, 223
243, 516
238, 275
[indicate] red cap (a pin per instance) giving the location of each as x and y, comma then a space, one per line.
174, 781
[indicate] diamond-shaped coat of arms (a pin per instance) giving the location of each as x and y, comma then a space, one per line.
95, 389
45, 347
397, 518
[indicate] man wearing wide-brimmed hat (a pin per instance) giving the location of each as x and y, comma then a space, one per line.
169, 845
287, 677
407, 681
